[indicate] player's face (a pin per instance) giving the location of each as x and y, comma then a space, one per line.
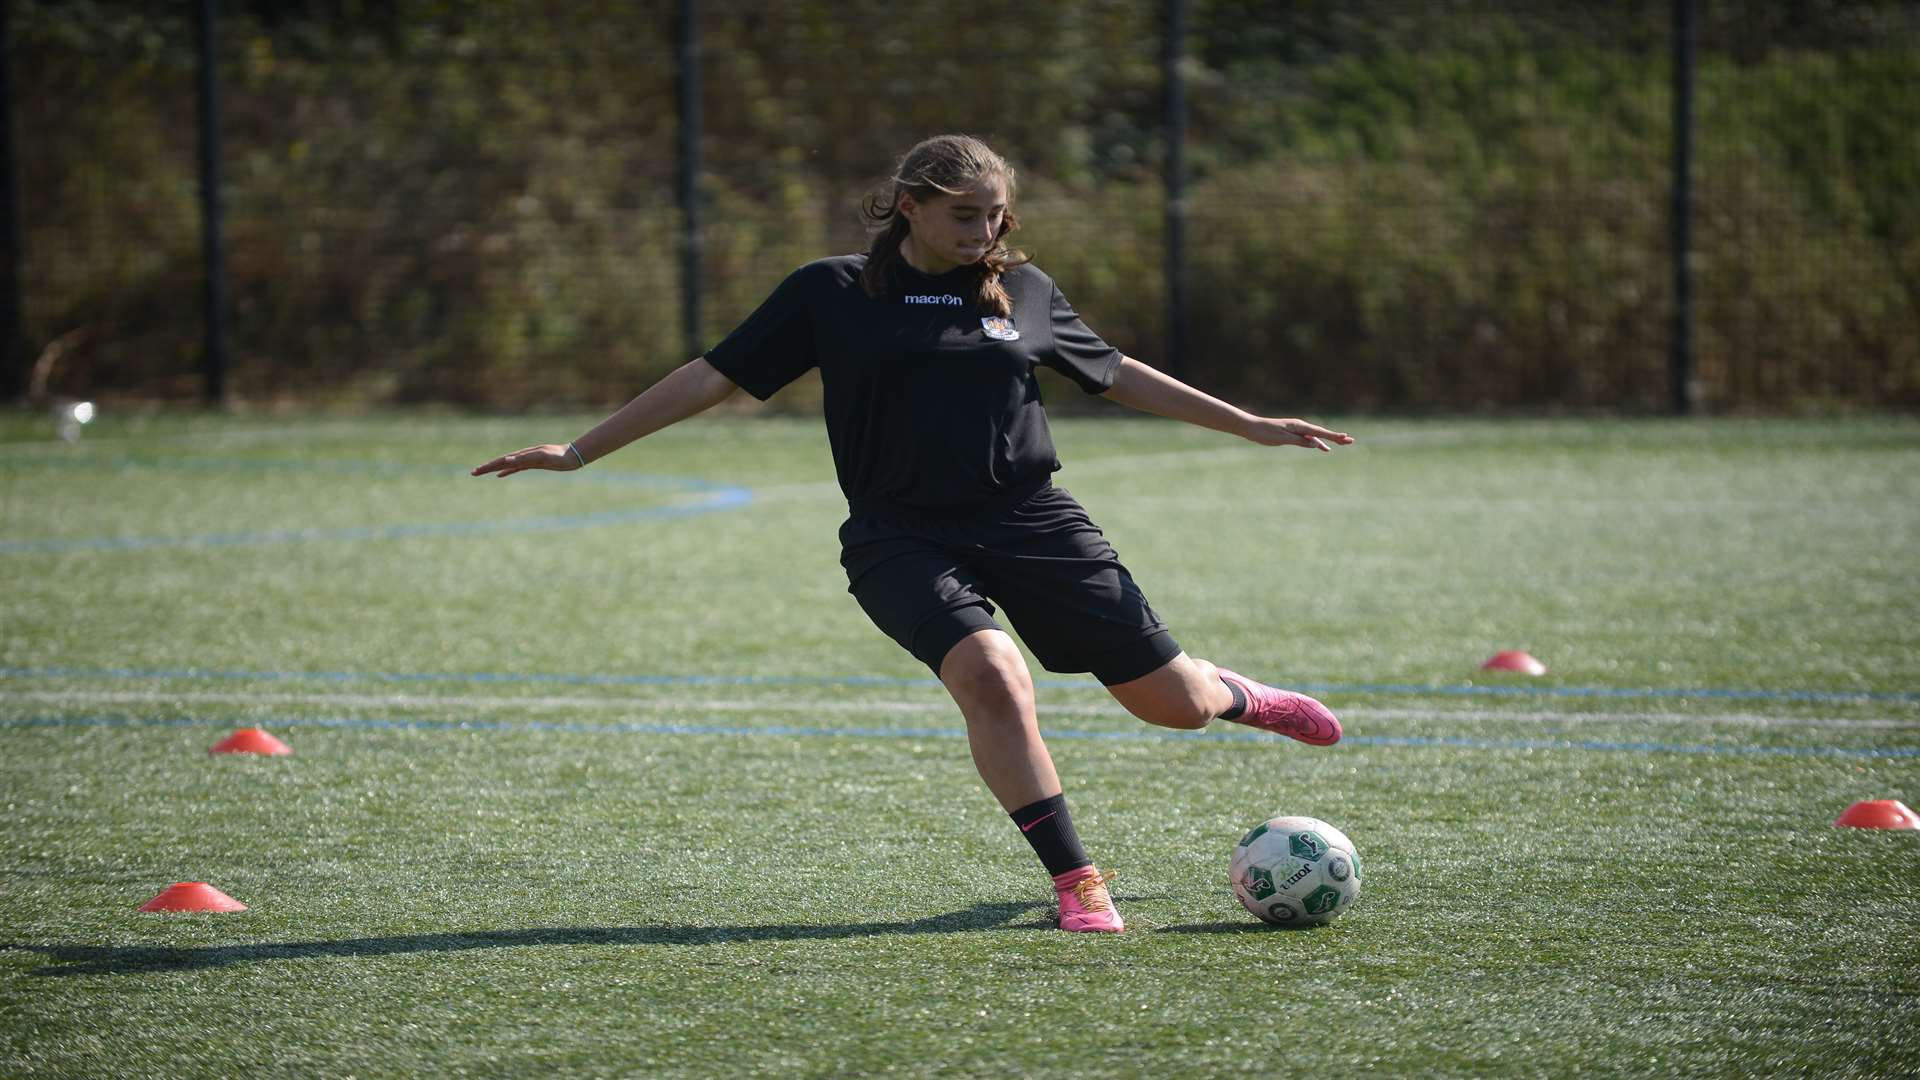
954, 230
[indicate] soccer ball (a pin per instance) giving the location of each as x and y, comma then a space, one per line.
1295, 871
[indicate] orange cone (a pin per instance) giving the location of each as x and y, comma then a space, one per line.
1514, 660
1878, 814
192, 896
250, 740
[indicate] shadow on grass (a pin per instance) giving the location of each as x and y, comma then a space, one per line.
1238, 927
100, 960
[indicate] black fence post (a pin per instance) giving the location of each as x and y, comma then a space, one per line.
13, 352
212, 214
1172, 52
1680, 345
688, 89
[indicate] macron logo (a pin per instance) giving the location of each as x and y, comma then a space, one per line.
928, 299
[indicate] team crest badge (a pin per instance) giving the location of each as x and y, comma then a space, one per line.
999, 327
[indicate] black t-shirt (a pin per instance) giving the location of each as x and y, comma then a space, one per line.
929, 404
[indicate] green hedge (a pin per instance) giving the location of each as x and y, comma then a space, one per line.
1397, 212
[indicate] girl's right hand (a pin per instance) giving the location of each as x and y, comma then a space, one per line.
1292, 432
550, 456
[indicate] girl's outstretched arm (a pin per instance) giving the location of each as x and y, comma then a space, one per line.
1138, 386
693, 387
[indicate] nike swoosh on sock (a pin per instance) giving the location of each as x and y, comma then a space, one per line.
1029, 826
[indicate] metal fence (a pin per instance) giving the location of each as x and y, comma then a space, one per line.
1364, 204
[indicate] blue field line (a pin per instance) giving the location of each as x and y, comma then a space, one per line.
1627, 692
712, 497
802, 731
828, 681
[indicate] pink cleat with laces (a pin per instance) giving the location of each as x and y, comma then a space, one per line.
1284, 712
1085, 904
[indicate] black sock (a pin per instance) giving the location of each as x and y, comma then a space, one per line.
1239, 701
1049, 828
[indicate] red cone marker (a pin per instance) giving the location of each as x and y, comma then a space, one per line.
192, 896
1878, 814
1514, 660
250, 740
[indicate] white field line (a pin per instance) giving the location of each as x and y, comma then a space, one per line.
1233, 450
390, 429
1589, 503
223, 437
1628, 717
1078, 467
1236, 449
786, 705
508, 703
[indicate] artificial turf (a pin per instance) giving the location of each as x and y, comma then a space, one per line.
606, 774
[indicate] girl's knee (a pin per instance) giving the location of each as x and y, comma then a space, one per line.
987, 669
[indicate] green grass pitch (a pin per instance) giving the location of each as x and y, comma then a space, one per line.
605, 774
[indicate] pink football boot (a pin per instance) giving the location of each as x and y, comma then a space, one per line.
1284, 712
1085, 903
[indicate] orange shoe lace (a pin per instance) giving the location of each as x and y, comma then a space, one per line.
1092, 893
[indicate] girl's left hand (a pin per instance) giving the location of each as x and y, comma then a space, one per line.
1291, 432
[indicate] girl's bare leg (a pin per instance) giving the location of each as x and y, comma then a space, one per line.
989, 680
1184, 693
1188, 693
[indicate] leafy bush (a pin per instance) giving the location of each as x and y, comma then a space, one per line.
1434, 206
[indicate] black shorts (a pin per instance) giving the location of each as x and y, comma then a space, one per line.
930, 579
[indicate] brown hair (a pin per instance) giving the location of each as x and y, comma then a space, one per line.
942, 165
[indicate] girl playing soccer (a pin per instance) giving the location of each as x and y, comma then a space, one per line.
926, 347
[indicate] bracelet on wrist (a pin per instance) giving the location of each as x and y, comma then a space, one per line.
577, 455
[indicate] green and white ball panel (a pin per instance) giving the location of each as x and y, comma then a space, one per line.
1295, 871
1281, 911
